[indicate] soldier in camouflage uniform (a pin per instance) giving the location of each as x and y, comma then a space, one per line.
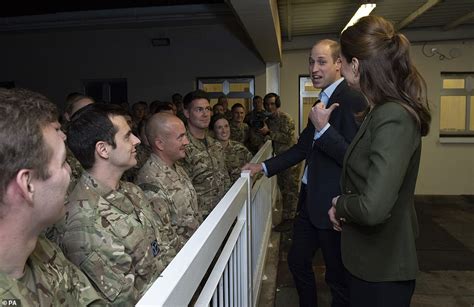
76, 170
49, 280
239, 131
33, 270
164, 182
74, 102
204, 160
256, 139
177, 100
280, 128
143, 153
111, 230
236, 154
222, 100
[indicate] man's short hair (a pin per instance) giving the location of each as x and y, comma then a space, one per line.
237, 105
139, 103
90, 125
271, 95
221, 97
197, 94
23, 115
72, 99
162, 106
334, 46
255, 98
176, 98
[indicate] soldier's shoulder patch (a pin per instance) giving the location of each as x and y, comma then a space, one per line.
155, 248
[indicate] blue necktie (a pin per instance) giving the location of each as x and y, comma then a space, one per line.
324, 99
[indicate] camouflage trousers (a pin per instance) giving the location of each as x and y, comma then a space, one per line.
288, 182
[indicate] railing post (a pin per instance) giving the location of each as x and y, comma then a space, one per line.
248, 206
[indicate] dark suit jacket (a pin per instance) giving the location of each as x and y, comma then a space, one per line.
324, 159
379, 177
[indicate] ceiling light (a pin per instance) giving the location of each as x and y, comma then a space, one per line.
364, 10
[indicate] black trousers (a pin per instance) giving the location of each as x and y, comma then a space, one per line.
380, 294
307, 239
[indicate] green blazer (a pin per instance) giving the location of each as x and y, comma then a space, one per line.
378, 184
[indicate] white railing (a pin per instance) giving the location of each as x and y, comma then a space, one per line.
237, 230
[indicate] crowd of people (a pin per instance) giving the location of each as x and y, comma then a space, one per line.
93, 209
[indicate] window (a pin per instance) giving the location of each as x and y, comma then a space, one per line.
237, 89
107, 90
457, 106
307, 96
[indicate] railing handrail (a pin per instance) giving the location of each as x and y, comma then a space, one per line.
181, 270
179, 281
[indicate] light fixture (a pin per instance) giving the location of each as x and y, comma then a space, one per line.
160, 42
364, 10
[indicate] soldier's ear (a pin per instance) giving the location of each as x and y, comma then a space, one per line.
159, 143
102, 149
22, 186
186, 113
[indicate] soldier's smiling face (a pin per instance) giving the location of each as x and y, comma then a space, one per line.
238, 115
124, 154
222, 130
175, 141
270, 105
199, 113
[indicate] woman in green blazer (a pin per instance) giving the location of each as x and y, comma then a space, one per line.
376, 213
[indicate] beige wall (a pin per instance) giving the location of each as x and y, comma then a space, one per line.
446, 169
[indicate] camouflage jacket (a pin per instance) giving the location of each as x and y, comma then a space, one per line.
49, 280
115, 238
171, 188
181, 116
76, 169
282, 133
228, 114
206, 167
239, 132
236, 155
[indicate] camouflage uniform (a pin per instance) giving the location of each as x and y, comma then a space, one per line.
50, 280
255, 139
172, 188
76, 169
228, 114
239, 132
205, 165
116, 239
181, 116
282, 129
143, 153
236, 155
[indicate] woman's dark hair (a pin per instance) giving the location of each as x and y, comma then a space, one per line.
386, 70
215, 118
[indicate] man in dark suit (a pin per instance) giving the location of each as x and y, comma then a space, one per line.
322, 144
